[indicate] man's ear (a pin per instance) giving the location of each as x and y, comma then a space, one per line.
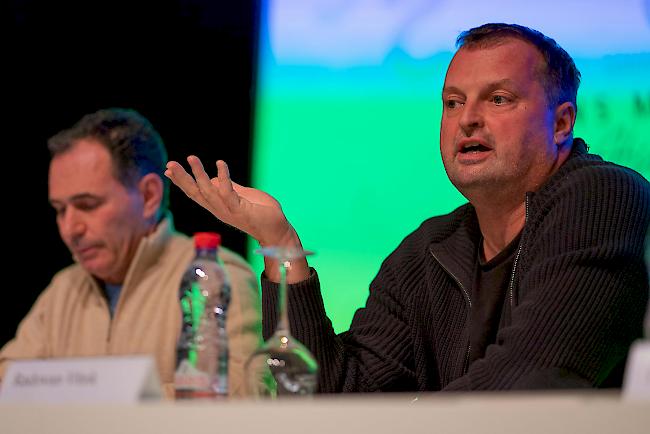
151, 189
565, 118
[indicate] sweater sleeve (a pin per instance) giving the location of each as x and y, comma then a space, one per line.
374, 355
31, 340
582, 287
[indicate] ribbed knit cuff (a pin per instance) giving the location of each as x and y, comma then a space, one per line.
306, 308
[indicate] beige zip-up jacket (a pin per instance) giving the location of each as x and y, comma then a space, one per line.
71, 317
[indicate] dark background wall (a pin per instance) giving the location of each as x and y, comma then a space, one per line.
187, 65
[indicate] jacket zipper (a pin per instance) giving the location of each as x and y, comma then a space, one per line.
510, 285
108, 335
110, 328
469, 302
516, 261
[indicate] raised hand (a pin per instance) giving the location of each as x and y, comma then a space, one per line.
248, 209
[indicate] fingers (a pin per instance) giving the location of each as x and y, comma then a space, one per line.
206, 186
177, 174
223, 174
225, 187
218, 194
183, 180
200, 175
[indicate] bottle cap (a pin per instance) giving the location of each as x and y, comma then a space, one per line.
207, 240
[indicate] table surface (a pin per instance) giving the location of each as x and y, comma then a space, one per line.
594, 412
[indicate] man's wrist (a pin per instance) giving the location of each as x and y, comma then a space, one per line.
297, 269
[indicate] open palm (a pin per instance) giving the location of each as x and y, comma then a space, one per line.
248, 209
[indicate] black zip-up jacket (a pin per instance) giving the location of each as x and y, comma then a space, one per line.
576, 300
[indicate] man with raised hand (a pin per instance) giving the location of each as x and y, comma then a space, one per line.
537, 282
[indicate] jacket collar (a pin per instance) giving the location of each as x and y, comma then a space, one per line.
455, 248
149, 251
456, 245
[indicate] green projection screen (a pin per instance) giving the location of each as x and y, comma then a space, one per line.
348, 110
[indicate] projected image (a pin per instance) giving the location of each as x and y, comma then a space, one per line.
349, 107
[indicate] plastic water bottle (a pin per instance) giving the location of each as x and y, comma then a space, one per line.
202, 350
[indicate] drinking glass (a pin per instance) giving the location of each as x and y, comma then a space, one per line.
282, 365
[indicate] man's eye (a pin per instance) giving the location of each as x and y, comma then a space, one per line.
451, 104
87, 205
500, 100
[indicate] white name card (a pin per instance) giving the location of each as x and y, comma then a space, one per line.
115, 379
636, 384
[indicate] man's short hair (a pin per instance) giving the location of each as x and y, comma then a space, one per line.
560, 78
135, 147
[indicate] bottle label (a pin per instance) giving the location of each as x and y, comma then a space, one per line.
187, 377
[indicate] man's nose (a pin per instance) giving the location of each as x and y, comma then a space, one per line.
72, 225
471, 118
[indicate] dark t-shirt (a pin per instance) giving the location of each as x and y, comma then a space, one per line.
488, 297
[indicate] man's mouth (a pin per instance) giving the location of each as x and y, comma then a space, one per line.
85, 251
472, 150
474, 147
